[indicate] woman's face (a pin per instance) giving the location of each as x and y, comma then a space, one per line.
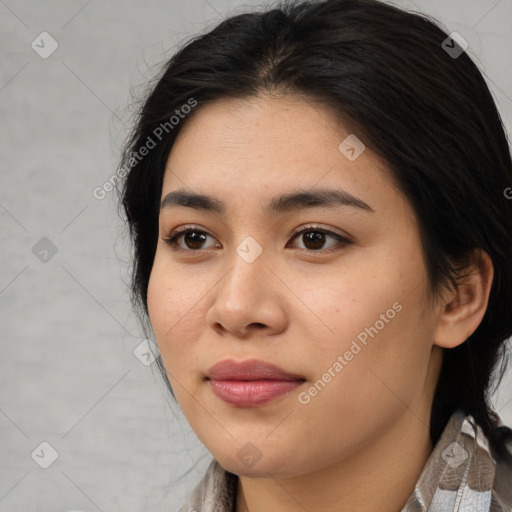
338, 306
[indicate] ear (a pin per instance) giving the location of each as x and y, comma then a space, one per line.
463, 309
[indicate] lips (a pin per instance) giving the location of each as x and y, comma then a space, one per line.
250, 383
250, 369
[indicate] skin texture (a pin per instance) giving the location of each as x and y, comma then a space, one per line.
300, 308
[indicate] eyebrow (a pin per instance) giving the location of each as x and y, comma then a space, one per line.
292, 201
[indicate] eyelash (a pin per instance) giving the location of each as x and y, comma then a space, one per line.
173, 238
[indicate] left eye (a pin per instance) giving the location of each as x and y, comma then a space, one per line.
313, 239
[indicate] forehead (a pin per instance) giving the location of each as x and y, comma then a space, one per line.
247, 151
283, 123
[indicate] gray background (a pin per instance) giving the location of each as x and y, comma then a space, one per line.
68, 374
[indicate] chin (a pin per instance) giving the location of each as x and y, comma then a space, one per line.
250, 463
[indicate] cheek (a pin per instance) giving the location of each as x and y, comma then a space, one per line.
165, 309
372, 370
168, 317
375, 322
159, 298
350, 297
168, 299
176, 313
344, 303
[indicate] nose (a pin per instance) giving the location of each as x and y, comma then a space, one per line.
249, 300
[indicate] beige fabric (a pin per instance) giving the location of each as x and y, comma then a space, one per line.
459, 476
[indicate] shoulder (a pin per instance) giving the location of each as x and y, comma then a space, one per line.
483, 477
463, 473
502, 489
502, 484
215, 492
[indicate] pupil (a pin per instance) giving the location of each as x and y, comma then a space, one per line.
194, 238
316, 238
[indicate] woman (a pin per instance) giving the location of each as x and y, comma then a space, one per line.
316, 197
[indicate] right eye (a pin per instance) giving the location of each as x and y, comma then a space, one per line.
191, 237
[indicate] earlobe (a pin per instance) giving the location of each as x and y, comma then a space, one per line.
465, 307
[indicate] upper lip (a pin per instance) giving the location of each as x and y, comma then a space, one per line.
250, 369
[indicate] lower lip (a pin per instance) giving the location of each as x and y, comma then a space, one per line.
251, 393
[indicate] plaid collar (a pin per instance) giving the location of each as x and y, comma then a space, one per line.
461, 475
